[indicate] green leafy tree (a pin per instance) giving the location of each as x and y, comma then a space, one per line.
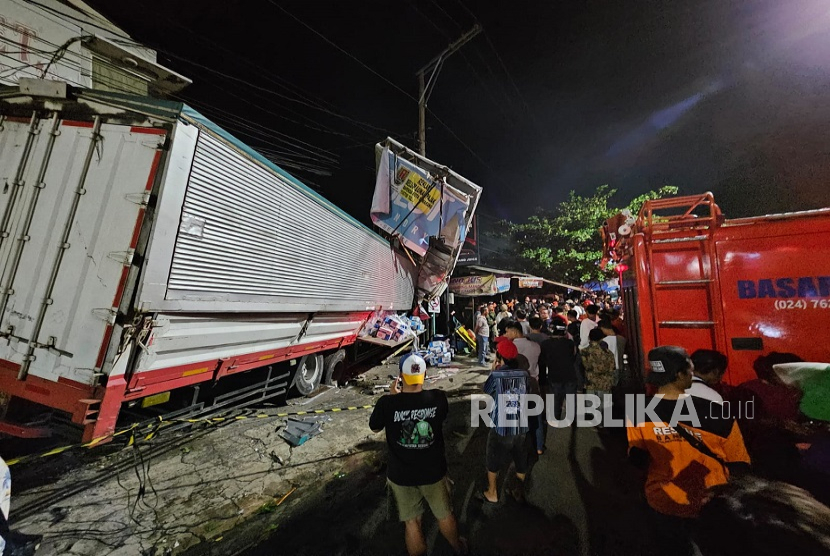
564, 243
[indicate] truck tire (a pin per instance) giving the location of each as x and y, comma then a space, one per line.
334, 365
308, 375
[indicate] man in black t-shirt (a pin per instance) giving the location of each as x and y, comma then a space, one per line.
557, 369
413, 419
573, 326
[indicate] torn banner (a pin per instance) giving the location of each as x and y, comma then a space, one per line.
413, 205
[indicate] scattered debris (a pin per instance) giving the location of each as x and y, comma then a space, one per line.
276, 458
443, 372
299, 430
59, 513
286, 495
317, 395
365, 385
272, 504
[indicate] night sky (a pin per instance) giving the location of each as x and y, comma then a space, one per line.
727, 96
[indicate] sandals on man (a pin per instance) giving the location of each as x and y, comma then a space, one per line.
479, 495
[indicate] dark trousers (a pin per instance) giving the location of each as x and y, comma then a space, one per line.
560, 391
541, 431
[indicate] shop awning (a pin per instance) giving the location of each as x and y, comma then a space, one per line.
514, 274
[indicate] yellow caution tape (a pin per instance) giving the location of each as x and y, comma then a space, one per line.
161, 423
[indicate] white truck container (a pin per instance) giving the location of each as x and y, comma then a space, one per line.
143, 249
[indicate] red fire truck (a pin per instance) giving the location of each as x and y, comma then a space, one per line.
746, 286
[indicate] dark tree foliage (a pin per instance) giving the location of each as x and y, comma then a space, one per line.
563, 243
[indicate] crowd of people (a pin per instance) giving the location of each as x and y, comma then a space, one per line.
714, 484
571, 345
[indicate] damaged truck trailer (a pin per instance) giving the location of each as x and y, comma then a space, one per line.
145, 253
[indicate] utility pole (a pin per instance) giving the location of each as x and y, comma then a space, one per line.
425, 87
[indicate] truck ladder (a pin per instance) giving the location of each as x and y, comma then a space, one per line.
701, 229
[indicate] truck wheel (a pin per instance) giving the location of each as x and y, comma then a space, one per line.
308, 375
334, 364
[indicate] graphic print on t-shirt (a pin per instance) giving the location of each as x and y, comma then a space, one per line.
511, 402
416, 432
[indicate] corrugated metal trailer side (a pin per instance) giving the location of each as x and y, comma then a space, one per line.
237, 234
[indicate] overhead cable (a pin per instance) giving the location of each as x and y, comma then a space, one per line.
439, 120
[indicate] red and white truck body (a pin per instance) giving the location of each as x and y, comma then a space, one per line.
144, 249
745, 287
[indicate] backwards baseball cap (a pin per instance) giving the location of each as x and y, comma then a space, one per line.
666, 363
413, 368
507, 349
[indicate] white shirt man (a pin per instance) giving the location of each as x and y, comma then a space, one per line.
700, 389
530, 349
616, 345
709, 367
503, 314
481, 327
587, 324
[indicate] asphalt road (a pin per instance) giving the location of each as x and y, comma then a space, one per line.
581, 499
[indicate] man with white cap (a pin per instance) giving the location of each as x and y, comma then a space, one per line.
413, 419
